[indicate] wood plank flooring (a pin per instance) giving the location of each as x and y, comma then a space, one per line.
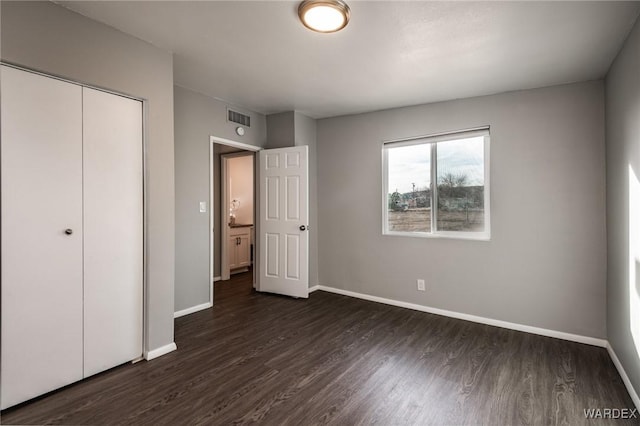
257, 358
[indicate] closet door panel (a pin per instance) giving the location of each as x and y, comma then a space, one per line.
41, 175
113, 230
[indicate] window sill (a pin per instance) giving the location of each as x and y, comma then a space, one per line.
475, 236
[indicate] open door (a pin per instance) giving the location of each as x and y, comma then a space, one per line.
284, 218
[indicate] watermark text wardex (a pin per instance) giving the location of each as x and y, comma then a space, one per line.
611, 413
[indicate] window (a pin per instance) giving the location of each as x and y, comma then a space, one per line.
438, 185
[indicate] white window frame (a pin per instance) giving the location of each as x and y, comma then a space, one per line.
433, 140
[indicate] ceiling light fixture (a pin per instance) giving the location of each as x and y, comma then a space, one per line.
324, 16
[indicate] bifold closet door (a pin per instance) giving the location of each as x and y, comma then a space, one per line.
113, 230
41, 174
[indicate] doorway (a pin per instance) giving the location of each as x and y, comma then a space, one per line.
232, 212
281, 202
237, 212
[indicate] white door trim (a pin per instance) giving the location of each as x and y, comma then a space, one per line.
229, 142
240, 145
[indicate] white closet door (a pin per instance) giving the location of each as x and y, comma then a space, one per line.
41, 173
113, 217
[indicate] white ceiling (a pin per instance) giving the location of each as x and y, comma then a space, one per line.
258, 55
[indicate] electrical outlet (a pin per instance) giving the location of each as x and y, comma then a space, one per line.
421, 286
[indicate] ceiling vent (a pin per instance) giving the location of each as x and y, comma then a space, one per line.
236, 117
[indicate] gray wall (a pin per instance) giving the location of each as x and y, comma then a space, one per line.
305, 134
545, 265
292, 128
196, 118
49, 38
623, 150
281, 130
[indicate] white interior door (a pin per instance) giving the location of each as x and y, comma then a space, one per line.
113, 230
284, 218
41, 173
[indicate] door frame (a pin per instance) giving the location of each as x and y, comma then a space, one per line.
240, 145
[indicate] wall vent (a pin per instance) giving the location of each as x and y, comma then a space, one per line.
236, 117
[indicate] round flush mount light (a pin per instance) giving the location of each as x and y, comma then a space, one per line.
324, 16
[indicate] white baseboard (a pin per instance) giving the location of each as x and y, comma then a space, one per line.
473, 318
314, 288
216, 279
627, 383
163, 350
192, 309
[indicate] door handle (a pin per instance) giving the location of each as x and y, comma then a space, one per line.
68, 231
303, 228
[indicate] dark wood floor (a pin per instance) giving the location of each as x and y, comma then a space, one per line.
333, 359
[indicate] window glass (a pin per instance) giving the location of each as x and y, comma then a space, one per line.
461, 185
409, 197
